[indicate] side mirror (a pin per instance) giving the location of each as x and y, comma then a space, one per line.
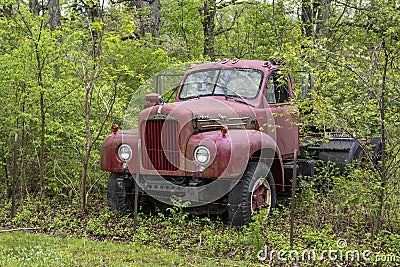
152, 100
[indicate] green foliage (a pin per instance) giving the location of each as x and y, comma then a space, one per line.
261, 31
182, 29
35, 62
352, 54
342, 210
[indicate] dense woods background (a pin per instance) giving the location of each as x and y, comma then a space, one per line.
68, 70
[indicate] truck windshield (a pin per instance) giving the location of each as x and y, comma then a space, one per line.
242, 83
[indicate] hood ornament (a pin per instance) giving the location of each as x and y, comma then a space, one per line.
161, 104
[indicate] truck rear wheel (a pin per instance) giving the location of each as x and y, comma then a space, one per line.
120, 194
255, 191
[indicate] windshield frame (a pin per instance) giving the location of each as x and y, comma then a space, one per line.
216, 83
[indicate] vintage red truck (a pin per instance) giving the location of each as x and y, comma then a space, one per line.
225, 145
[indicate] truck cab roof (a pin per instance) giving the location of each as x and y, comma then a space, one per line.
242, 80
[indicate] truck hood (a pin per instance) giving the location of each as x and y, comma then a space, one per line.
202, 108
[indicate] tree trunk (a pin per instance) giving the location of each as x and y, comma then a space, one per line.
34, 6
314, 14
382, 103
150, 23
14, 179
88, 147
95, 16
6, 177
42, 122
55, 13
155, 18
42, 144
307, 17
322, 14
208, 12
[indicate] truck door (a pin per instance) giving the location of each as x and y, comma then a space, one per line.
278, 93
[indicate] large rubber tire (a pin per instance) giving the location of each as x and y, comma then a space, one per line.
255, 191
120, 194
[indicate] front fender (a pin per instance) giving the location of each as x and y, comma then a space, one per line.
230, 153
109, 160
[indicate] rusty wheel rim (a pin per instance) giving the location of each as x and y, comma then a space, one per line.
260, 195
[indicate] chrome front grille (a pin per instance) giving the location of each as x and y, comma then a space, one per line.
161, 146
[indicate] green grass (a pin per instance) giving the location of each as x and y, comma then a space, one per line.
28, 249
331, 208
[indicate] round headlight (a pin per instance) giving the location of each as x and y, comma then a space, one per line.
125, 152
202, 155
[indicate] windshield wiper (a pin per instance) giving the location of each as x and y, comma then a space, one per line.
243, 102
171, 94
238, 100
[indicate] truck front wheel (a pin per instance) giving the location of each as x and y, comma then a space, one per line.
255, 191
120, 193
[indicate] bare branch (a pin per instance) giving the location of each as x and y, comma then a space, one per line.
364, 80
18, 229
366, 152
347, 5
225, 3
233, 22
